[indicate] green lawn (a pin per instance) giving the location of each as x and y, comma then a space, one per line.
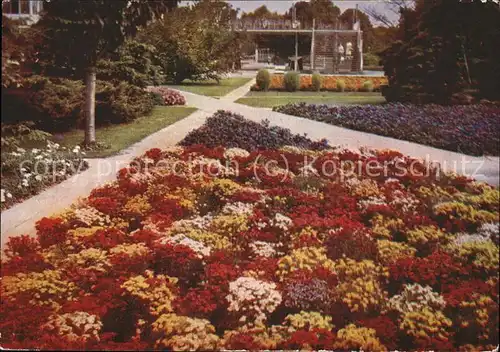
210, 87
271, 99
119, 137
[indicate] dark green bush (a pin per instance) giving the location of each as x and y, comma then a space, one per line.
370, 59
157, 98
133, 63
263, 79
121, 103
292, 81
316, 82
340, 85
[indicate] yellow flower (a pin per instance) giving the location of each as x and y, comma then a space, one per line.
308, 321
307, 258
45, 288
361, 295
426, 324
390, 251
137, 205
158, 293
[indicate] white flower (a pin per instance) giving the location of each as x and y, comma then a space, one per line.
25, 183
35, 151
9, 195
76, 151
21, 150
38, 177
38, 157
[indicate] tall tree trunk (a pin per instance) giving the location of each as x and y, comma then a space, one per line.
90, 78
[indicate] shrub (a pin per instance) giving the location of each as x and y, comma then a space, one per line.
292, 81
121, 103
316, 82
157, 98
168, 96
370, 59
340, 85
133, 63
263, 79
14, 135
232, 130
368, 86
56, 104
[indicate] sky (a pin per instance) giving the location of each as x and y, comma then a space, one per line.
282, 6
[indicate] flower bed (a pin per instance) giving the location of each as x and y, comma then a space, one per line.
468, 129
168, 96
26, 173
202, 248
328, 83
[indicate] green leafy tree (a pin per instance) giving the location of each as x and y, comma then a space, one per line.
350, 15
17, 50
80, 33
446, 49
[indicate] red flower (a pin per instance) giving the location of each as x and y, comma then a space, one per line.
105, 239
243, 341
144, 236
178, 261
154, 153
437, 270
355, 243
386, 330
318, 339
105, 205
50, 231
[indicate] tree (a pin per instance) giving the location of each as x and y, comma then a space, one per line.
196, 41
17, 50
80, 33
394, 6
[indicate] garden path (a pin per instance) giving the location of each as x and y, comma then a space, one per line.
483, 168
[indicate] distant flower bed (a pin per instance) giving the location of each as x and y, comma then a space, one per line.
26, 173
468, 129
212, 248
168, 96
328, 83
